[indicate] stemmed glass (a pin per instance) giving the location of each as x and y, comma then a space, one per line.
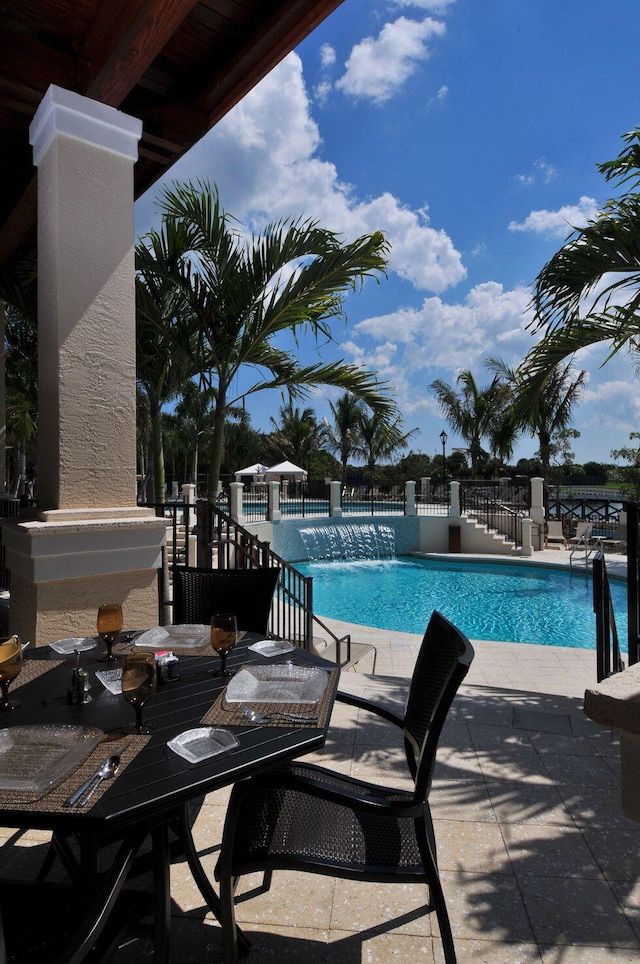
138, 686
10, 666
109, 625
224, 634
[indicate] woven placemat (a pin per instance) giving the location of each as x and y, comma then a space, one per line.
222, 713
32, 669
52, 800
122, 649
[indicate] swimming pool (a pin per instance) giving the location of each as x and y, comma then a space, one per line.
513, 603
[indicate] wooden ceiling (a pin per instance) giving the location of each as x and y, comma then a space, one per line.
178, 65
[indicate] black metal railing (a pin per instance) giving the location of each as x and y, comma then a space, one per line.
500, 506
608, 659
373, 500
633, 581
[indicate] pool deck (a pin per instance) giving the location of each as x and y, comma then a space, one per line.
537, 862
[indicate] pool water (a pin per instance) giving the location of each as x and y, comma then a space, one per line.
523, 604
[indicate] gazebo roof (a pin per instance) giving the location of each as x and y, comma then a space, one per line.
178, 65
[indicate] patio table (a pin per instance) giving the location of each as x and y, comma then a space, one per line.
150, 798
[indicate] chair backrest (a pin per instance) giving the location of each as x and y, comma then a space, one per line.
199, 593
583, 529
554, 529
443, 662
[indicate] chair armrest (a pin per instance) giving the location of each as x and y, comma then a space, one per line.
364, 704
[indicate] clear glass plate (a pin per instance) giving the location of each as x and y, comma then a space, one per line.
175, 637
111, 679
35, 758
282, 683
202, 743
271, 647
80, 643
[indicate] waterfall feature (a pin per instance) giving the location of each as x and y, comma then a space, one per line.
348, 541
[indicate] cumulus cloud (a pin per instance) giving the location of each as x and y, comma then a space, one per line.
433, 6
559, 223
440, 337
378, 66
327, 55
264, 158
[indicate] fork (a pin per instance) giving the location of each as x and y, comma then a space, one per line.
256, 717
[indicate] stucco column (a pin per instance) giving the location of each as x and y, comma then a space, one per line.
273, 502
410, 498
454, 508
236, 509
335, 508
537, 513
88, 542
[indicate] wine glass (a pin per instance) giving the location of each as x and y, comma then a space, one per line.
10, 666
224, 634
138, 686
109, 625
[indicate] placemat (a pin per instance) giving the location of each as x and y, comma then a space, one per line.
123, 648
32, 669
53, 799
222, 713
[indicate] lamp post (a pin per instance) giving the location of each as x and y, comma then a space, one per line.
443, 439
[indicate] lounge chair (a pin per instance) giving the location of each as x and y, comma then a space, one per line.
555, 534
306, 818
618, 541
583, 534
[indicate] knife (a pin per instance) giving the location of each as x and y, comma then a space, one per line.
75, 796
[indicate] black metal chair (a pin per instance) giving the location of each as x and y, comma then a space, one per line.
304, 817
199, 593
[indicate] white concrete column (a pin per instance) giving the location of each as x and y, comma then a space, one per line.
526, 549
410, 498
89, 543
273, 502
335, 509
85, 152
236, 509
454, 511
537, 512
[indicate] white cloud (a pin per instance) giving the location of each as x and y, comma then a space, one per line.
542, 171
327, 55
419, 344
263, 157
559, 223
378, 67
433, 6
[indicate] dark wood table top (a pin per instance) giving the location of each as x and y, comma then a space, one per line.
157, 781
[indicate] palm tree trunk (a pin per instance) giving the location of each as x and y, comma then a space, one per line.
216, 446
158, 453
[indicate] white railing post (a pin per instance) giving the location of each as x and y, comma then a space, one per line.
273, 505
410, 498
454, 510
335, 509
527, 548
236, 500
536, 511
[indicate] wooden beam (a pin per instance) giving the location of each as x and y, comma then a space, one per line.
124, 40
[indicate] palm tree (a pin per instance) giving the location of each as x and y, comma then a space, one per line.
344, 435
163, 363
552, 414
241, 294
472, 412
589, 292
297, 435
380, 440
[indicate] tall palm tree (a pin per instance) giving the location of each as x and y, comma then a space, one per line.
589, 292
163, 362
380, 440
344, 435
297, 435
241, 294
552, 414
471, 411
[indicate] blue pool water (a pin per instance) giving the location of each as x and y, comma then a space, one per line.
524, 604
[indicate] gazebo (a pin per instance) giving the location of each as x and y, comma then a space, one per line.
103, 98
253, 473
285, 472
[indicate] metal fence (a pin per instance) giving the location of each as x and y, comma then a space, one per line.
500, 505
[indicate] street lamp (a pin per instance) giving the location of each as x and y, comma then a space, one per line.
443, 439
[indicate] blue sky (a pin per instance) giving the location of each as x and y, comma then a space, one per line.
469, 133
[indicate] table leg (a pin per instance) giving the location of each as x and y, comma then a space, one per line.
183, 829
162, 894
